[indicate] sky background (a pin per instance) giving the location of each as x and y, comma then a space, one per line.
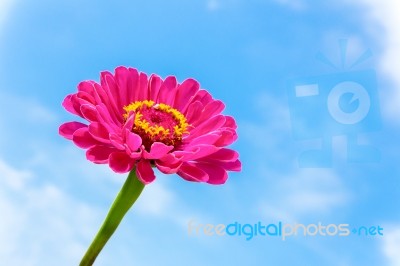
52, 200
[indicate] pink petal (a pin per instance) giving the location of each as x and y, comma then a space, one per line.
110, 106
235, 166
170, 159
205, 139
135, 76
126, 78
99, 132
195, 152
129, 122
209, 125
193, 111
108, 83
167, 91
105, 117
83, 139
230, 122
224, 154
86, 86
86, 97
227, 137
117, 141
77, 103
68, 105
132, 140
145, 172
217, 175
105, 101
169, 164
120, 162
203, 96
68, 129
135, 155
157, 150
167, 169
89, 112
142, 88
155, 83
184, 93
191, 172
213, 108
99, 153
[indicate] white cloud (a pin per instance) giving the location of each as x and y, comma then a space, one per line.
5, 6
305, 193
262, 135
25, 118
217, 5
25, 110
293, 4
12, 178
39, 113
155, 200
314, 191
159, 201
213, 5
391, 245
41, 224
44, 222
386, 14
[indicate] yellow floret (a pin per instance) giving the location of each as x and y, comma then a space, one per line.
156, 130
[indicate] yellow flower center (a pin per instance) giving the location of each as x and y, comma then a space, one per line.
157, 122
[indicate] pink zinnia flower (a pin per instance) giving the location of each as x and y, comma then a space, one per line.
144, 122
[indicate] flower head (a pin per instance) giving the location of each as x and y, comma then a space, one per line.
144, 122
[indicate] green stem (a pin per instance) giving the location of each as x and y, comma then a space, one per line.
122, 203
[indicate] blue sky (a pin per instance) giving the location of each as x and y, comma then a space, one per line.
244, 52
